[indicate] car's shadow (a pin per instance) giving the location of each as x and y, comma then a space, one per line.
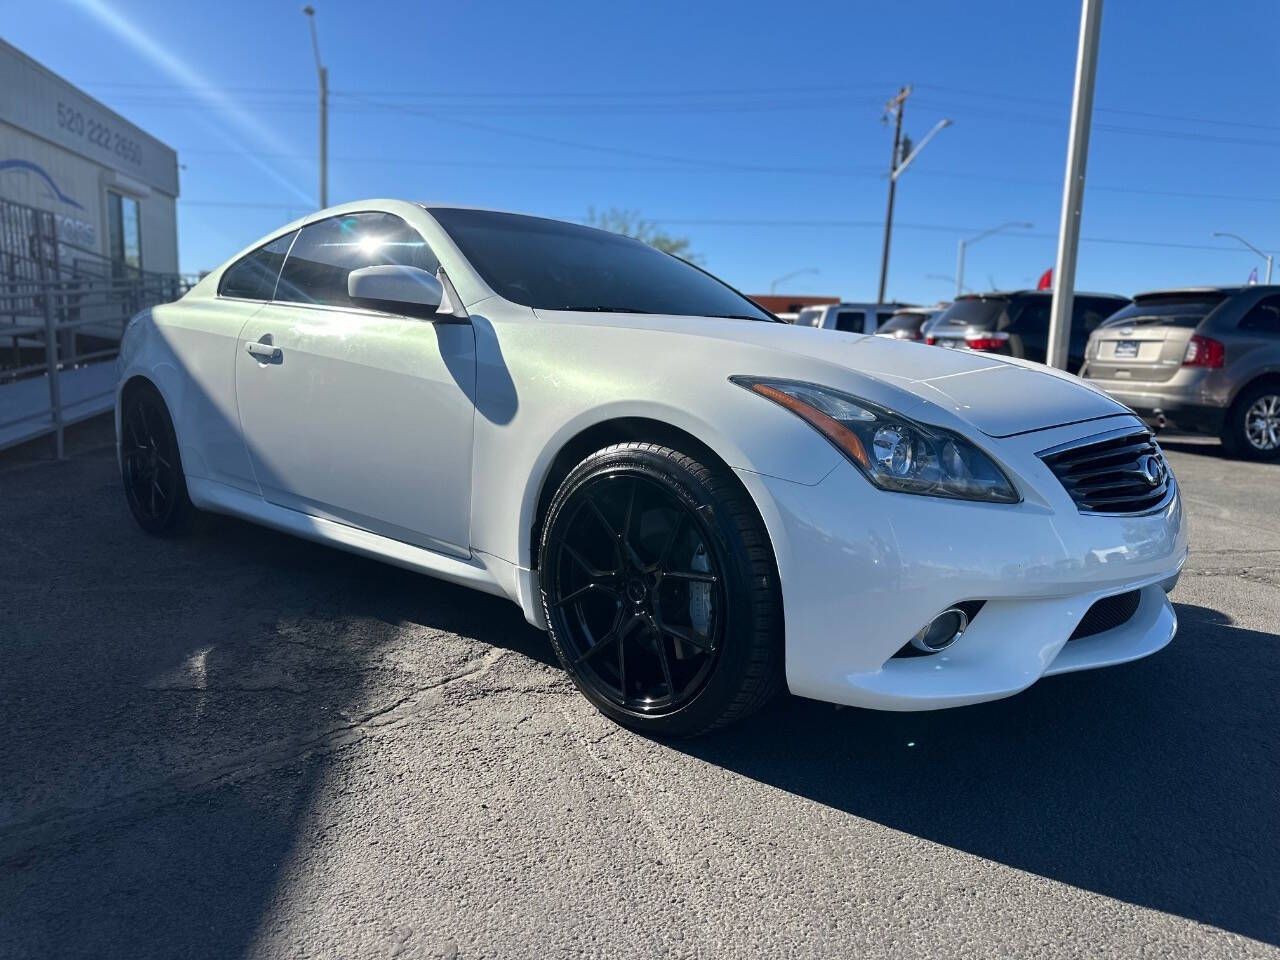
1156, 783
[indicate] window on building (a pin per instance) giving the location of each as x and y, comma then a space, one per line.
124, 229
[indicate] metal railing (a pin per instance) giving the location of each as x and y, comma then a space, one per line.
54, 328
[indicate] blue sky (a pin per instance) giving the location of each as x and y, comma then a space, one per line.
754, 128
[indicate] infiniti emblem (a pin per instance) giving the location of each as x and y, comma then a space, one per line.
1152, 469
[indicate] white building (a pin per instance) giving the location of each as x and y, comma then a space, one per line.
111, 188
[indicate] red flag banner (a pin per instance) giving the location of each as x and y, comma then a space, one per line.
1046, 280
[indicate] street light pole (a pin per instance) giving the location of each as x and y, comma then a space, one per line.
1265, 256
323, 74
773, 286
1064, 270
963, 244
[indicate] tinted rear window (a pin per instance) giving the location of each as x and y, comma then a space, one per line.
1177, 314
552, 265
903, 321
972, 313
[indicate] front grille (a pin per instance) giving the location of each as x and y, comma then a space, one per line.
1107, 614
1112, 473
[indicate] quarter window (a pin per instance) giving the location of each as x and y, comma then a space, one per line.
1264, 317
253, 276
327, 251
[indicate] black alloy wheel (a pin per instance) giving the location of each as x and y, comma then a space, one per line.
647, 566
150, 464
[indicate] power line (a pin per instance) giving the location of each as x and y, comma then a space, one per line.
797, 223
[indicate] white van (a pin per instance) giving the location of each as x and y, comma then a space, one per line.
849, 317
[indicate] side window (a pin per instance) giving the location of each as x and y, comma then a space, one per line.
253, 276
1030, 323
882, 319
1264, 317
851, 321
327, 251
1087, 315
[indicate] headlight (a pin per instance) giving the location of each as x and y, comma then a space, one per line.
893, 452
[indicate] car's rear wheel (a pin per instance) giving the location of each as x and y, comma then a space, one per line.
151, 466
660, 591
1252, 427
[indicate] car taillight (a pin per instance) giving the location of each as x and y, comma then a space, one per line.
911, 335
986, 341
1204, 352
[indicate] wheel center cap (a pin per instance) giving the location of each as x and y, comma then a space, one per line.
636, 591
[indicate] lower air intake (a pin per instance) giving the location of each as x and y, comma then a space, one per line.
1107, 614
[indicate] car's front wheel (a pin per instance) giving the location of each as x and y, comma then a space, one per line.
660, 590
150, 464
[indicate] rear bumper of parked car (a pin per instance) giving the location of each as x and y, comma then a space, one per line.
1189, 401
863, 570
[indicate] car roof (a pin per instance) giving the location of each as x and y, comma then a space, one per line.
1007, 294
1191, 291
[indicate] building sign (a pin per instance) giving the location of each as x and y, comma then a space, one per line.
43, 104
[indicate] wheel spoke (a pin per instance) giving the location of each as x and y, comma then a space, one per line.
686, 636
582, 591
661, 646
696, 576
591, 571
671, 541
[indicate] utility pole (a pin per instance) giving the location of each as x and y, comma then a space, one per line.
323, 74
895, 107
1064, 270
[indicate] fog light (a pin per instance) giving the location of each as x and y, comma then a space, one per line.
943, 630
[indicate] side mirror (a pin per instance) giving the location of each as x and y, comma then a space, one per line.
396, 289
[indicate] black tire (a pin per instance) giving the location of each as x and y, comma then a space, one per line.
660, 591
1238, 439
151, 466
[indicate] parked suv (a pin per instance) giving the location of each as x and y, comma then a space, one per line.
1016, 323
1206, 360
849, 317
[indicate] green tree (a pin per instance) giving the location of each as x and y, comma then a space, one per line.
629, 223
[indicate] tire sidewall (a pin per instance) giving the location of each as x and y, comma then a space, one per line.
727, 676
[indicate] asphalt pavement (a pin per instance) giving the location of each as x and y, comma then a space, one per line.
240, 744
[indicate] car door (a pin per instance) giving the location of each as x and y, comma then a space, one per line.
203, 334
358, 415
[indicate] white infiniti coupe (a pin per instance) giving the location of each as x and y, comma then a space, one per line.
699, 503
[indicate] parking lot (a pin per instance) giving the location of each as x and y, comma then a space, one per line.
241, 744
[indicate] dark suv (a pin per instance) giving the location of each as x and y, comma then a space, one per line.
1206, 360
1016, 324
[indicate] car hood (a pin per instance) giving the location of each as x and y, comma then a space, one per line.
999, 396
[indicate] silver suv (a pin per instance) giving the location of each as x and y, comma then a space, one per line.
1204, 359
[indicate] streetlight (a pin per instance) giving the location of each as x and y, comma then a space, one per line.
323, 74
960, 248
1265, 256
947, 278
773, 287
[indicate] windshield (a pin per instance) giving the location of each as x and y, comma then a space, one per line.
971, 313
1177, 314
551, 265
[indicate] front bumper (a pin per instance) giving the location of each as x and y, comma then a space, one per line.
862, 570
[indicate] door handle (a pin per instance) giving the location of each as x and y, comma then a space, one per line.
263, 351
